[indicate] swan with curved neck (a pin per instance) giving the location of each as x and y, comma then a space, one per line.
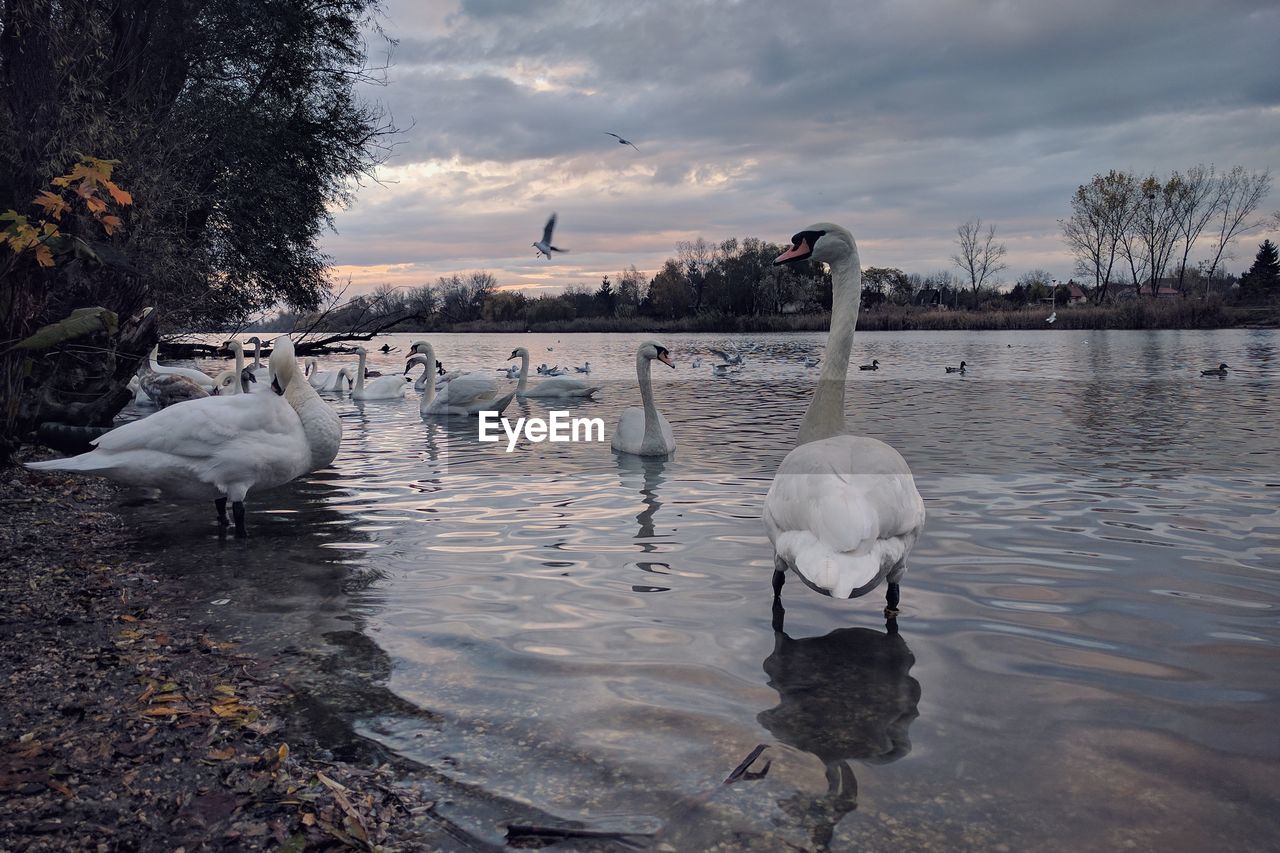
642, 430
219, 448
379, 388
247, 374
199, 377
556, 386
466, 394
843, 510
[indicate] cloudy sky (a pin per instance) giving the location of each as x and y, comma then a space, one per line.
898, 119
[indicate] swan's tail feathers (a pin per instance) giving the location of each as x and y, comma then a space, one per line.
84, 462
843, 574
500, 405
70, 438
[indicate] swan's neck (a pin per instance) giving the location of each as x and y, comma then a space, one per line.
652, 427
360, 374
257, 355
239, 369
428, 380
524, 373
825, 416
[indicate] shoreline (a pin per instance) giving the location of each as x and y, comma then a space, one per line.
138, 723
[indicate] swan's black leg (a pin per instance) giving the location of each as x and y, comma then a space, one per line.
891, 597
779, 577
237, 510
221, 505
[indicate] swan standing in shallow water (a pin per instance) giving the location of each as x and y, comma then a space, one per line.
468, 394
556, 386
218, 448
843, 510
380, 388
642, 430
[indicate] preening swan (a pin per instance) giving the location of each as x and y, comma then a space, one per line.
468, 394
556, 386
843, 510
643, 430
218, 448
380, 388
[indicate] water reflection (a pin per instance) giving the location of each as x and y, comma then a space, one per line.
845, 696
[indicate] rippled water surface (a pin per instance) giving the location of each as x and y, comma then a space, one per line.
1087, 652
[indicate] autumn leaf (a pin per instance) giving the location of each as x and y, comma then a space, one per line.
51, 203
95, 204
44, 257
111, 224
121, 197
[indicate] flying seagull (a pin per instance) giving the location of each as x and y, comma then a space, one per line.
544, 246
621, 141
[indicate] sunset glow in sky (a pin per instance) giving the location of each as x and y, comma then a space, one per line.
899, 120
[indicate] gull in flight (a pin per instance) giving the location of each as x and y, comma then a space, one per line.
621, 141
544, 246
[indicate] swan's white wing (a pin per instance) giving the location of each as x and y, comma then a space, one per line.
628, 436
561, 386
843, 512
470, 390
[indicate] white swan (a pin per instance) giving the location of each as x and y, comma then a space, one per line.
843, 510
328, 381
642, 430
228, 382
250, 377
199, 377
218, 448
557, 386
468, 394
379, 388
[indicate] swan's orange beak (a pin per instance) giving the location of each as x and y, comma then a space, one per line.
665, 358
797, 252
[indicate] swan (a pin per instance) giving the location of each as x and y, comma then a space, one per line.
959, 369
261, 373
250, 376
381, 388
874, 365
1220, 370
140, 397
169, 388
642, 430
227, 382
557, 386
199, 377
468, 394
843, 510
218, 448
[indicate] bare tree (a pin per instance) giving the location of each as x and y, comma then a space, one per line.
1197, 195
1240, 192
1156, 225
696, 258
980, 255
1101, 213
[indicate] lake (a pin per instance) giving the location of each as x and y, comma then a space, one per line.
1086, 656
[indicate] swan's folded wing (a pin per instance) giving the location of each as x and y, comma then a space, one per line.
471, 389
199, 426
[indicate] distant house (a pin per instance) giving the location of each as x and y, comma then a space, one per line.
1077, 296
1166, 292
928, 296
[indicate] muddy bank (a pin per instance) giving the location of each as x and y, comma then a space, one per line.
128, 725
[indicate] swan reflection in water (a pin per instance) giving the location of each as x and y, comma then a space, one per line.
846, 696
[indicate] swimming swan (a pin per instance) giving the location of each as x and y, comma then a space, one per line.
642, 430
468, 394
556, 386
843, 510
380, 388
218, 448
199, 377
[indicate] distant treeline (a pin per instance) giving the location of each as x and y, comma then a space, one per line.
734, 287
